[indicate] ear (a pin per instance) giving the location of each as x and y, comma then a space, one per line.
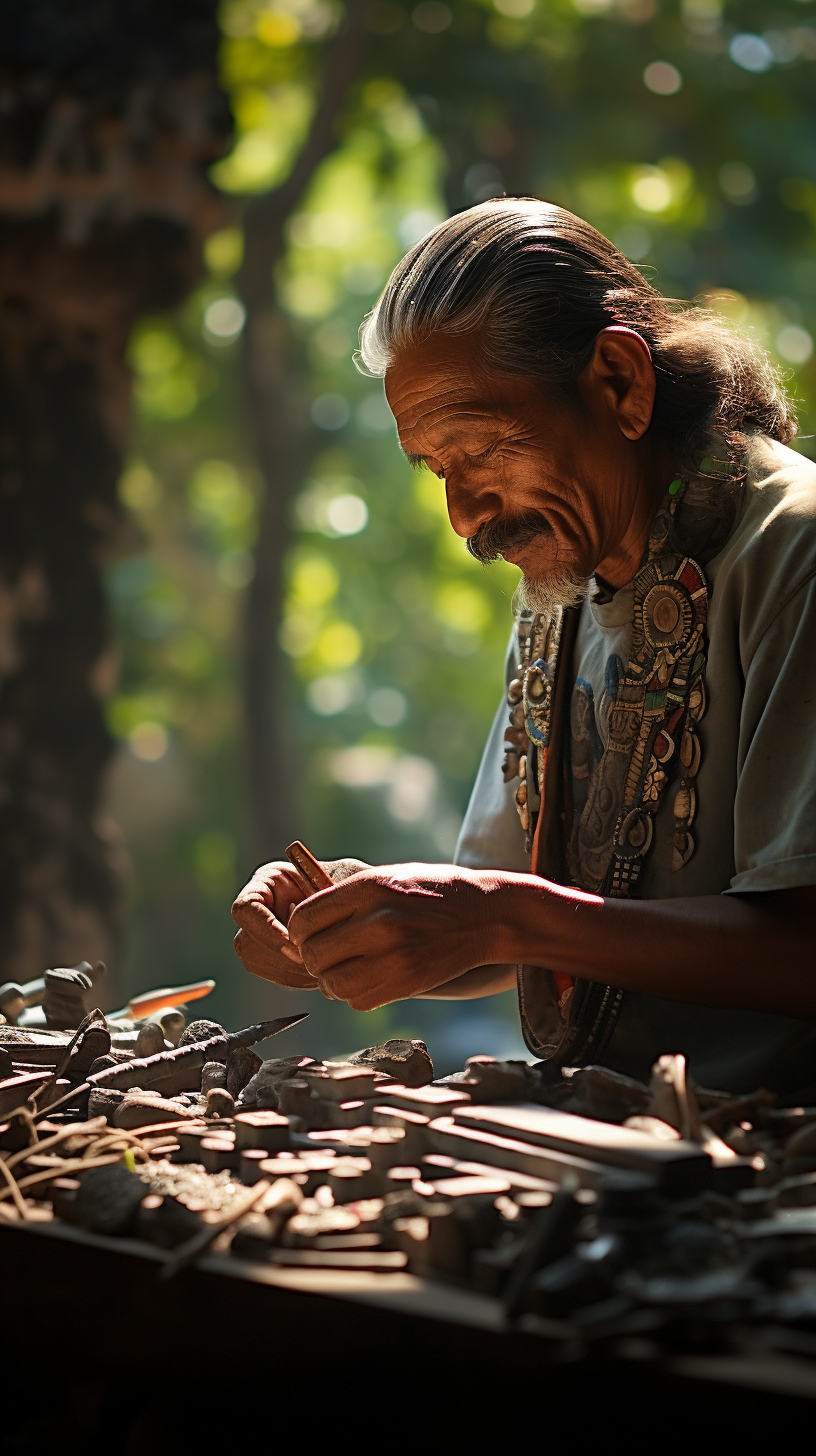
620, 379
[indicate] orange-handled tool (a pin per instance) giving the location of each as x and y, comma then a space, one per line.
152, 1001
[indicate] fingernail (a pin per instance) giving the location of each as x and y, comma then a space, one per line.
290, 951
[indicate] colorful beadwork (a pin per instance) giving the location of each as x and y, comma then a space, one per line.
660, 699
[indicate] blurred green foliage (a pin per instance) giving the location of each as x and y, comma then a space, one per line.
684, 131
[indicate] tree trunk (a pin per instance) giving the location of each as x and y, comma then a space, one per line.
111, 114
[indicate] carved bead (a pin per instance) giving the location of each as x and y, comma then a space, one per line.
510, 767
682, 851
685, 803
514, 690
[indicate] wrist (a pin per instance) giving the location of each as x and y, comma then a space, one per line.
519, 918
539, 922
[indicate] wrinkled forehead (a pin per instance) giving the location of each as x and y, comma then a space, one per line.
452, 363
441, 382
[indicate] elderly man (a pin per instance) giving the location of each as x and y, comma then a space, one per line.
639, 854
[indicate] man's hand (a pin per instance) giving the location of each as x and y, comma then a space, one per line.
397, 931
262, 910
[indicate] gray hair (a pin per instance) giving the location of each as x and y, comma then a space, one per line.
538, 284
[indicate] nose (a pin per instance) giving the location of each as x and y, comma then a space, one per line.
469, 506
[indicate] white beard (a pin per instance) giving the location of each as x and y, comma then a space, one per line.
541, 595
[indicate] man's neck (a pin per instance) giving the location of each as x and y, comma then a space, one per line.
622, 562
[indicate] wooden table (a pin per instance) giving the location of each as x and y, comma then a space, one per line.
101, 1350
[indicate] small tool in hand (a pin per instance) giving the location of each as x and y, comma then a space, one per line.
307, 865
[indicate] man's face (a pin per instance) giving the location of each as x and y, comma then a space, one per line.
547, 484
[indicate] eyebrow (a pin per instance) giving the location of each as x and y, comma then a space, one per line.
416, 462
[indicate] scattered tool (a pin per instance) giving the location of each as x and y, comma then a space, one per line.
140, 1007
153, 1071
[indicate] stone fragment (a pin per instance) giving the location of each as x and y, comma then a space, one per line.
262, 1091
218, 1154
220, 1102
489, 1080
294, 1097
104, 1101
385, 1147
407, 1062
189, 1142
108, 1199
261, 1229
12, 1001
213, 1074
432, 1239
353, 1178
142, 1109
343, 1083
164, 1221
249, 1168
200, 1031
267, 1130
242, 1064
606, 1095
303, 1227
150, 1039
91, 1043
63, 1193
308, 1170
15, 1091
172, 1022
64, 999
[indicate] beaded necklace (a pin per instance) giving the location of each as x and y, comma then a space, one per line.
660, 700
652, 739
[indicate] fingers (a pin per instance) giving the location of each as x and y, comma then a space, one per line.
356, 983
268, 897
260, 961
328, 908
346, 941
254, 912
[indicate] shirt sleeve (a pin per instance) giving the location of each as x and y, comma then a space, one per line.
775, 808
491, 837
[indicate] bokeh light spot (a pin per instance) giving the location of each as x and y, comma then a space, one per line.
794, 344
224, 318
751, 53
662, 78
148, 741
347, 515
330, 412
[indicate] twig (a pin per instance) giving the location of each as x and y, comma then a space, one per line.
72, 1129
14, 1190
188, 1251
112, 1139
71, 1165
28, 1117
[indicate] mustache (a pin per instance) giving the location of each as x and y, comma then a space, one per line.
505, 533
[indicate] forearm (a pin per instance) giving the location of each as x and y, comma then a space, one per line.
481, 981
753, 952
